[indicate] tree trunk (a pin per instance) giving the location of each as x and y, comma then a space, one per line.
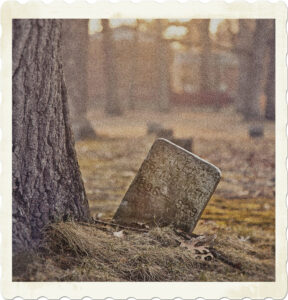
134, 68
75, 55
205, 55
163, 72
47, 184
112, 103
244, 41
256, 77
251, 53
270, 83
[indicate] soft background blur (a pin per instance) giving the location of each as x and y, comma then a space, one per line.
163, 64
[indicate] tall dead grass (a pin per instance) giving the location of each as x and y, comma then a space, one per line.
83, 252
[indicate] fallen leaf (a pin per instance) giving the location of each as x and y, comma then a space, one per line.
119, 234
244, 239
99, 215
200, 252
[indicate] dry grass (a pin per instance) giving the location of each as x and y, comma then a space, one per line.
83, 252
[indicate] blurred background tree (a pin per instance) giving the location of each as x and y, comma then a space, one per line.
251, 48
270, 83
162, 67
75, 43
109, 71
205, 57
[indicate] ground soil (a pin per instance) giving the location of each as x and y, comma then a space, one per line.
240, 216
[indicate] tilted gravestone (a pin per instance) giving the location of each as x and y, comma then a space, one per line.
173, 186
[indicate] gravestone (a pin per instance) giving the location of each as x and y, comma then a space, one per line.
153, 127
172, 186
165, 133
256, 131
159, 130
184, 143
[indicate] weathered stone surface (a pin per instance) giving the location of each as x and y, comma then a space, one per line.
172, 186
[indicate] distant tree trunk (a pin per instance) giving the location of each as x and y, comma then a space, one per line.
244, 41
163, 72
112, 101
75, 55
205, 55
251, 54
134, 68
270, 83
259, 50
215, 76
46, 179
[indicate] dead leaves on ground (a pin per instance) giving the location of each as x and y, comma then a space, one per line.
200, 246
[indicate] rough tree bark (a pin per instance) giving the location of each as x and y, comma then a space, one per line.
47, 184
75, 55
162, 67
112, 104
270, 83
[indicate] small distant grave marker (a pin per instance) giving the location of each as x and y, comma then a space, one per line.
165, 133
256, 131
184, 143
173, 186
153, 127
